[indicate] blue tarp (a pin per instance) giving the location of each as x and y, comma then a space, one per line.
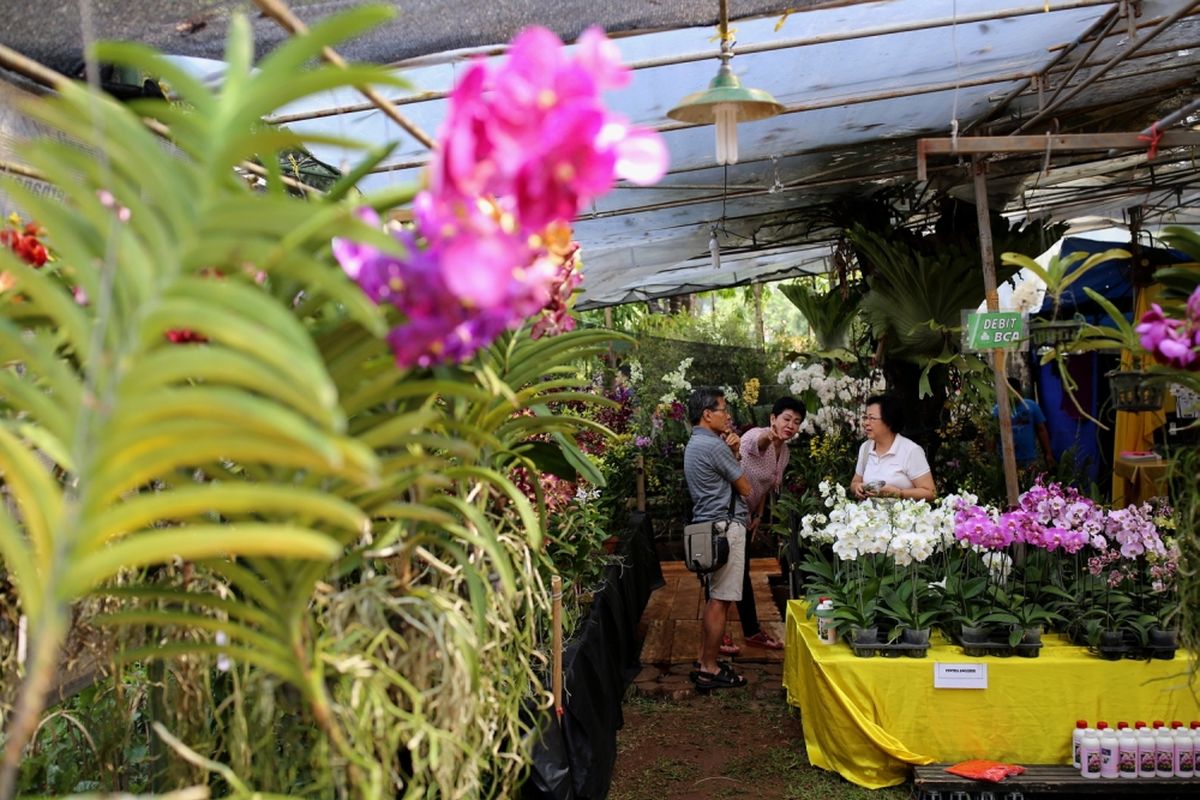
1112, 279
1071, 431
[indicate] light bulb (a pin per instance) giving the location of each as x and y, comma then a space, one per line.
726, 118
714, 250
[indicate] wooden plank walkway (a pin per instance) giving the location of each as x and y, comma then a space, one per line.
670, 626
1040, 779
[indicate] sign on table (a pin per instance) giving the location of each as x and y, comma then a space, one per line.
960, 676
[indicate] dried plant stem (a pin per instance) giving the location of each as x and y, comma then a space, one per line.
43, 658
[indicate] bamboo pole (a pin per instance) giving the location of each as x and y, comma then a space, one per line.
979, 168
556, 624
279, 11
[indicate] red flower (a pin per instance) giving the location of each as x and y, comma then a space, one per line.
25, 244
185, 336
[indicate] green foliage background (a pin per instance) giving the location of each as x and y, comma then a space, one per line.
312, 570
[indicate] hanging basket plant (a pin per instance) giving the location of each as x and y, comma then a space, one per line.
1136, 390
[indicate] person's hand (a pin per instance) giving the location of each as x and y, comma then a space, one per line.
856, 488
887, 490
753, 529
733, 440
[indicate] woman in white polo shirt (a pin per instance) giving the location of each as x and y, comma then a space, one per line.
890, 465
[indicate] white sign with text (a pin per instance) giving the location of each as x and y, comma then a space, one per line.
960, 676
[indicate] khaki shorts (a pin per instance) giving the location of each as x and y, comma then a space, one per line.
727, 581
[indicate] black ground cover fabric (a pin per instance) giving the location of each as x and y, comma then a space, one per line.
573, 759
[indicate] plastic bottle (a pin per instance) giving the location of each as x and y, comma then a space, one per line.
1127, 751
1108, 750
1145, 744
1164, 751
826, 633
1089, 755
1076, 737
1185, 752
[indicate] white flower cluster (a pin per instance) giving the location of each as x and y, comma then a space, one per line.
677, 382
839, 397
586, 495
908, 530
635, 372
1027, 296
731, 395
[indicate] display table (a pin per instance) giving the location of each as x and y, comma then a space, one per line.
1145, 477
871, 719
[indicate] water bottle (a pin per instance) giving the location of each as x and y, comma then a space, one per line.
1109, 744
1145, 739
1089, 755
1127, 751
826, 633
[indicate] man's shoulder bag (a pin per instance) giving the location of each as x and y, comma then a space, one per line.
705, 545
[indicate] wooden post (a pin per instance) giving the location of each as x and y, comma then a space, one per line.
979, 168
640, 472
758, 317
556, 624
608, 323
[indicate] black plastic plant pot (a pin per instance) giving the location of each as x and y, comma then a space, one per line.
974, 634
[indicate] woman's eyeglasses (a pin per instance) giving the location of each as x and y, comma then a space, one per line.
865, 418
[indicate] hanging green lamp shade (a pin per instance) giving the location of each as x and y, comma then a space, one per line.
726, 102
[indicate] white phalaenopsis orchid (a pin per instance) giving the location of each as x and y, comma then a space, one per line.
909, 530
839, 397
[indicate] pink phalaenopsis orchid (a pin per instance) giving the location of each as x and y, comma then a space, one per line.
1173, 342
526, 145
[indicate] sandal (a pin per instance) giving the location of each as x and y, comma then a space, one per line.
728, 648
724, 679
722, 665
764, 641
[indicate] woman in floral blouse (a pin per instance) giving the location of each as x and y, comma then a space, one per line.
764, 455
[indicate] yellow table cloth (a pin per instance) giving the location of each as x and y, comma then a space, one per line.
871, 719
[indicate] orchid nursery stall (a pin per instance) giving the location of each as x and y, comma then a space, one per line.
1064, 607
286, 485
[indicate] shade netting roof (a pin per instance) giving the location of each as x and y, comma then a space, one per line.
860, 82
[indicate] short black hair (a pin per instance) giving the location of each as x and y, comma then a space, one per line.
1014, 383
789, 403
703, 398
889, 409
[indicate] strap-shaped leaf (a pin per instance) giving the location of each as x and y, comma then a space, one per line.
234, 607
263, 643
284, 668
239, 410
38, 496
183, 444
20, 563
231, 501
193, 543
221, 366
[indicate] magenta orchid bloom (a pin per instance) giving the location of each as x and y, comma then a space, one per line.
1172, 341
525, 146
